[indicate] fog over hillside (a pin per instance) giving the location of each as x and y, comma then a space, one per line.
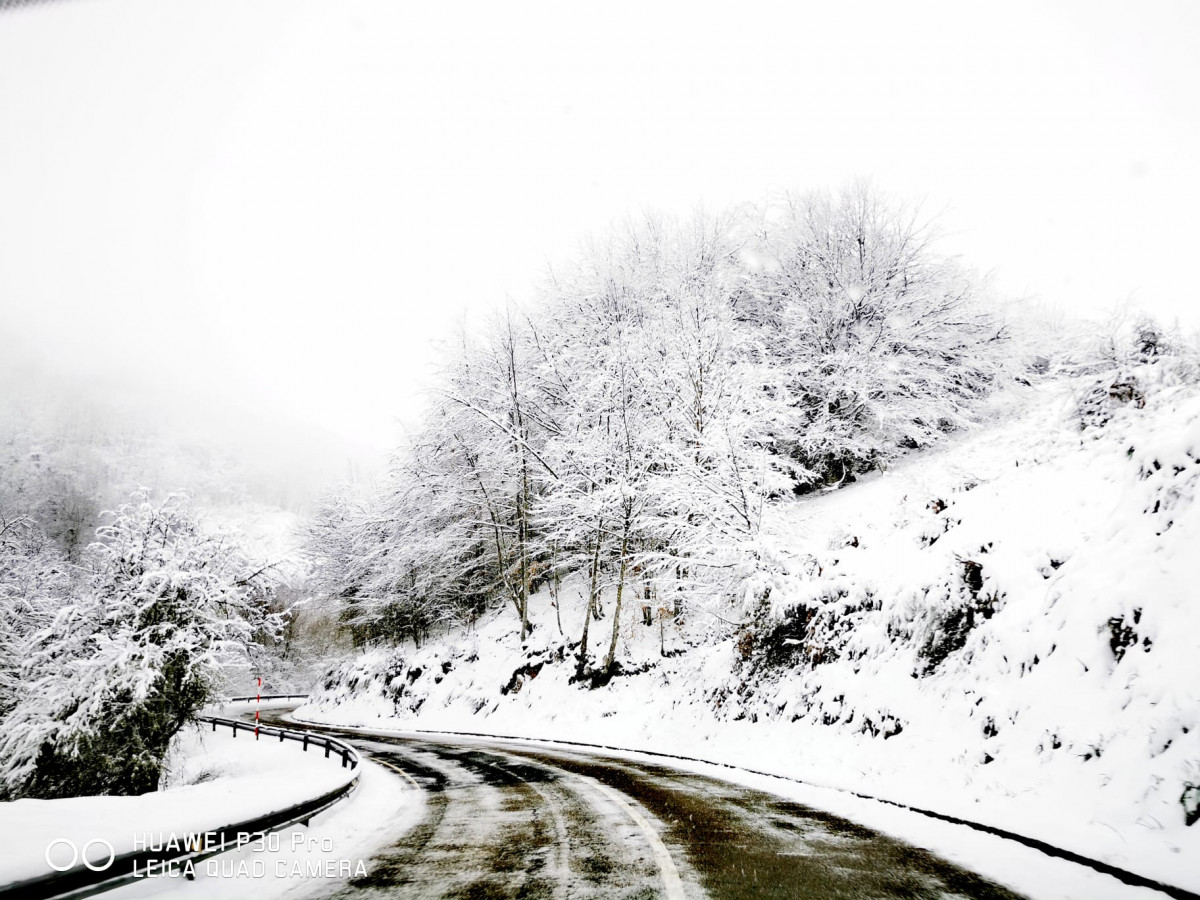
173, 437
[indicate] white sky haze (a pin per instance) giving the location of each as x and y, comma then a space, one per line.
276, 207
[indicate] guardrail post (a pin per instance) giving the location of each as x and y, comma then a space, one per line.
327, 749
306, 743
214, 724
345, 758
281, 737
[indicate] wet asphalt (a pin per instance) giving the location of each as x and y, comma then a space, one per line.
509, 821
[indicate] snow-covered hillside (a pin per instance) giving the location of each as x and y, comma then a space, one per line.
1006, 629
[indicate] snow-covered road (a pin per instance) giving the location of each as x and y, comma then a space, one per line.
504, 820
452, 815
520, 818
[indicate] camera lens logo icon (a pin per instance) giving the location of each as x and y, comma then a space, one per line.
54, 859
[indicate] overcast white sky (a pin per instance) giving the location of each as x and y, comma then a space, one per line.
274, 206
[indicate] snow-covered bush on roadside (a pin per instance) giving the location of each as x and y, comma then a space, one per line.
132, 652
871, 342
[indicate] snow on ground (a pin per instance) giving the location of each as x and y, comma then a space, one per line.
215, 780
1005, 630
304, 861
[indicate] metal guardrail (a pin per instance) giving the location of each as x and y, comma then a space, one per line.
253, 697
348, 754
82, 881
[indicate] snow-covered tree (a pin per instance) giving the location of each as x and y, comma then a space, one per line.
35, 577
133, 654
868, 340
669, 379
650, 441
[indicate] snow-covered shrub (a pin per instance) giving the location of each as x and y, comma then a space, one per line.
870, 342
131, 655
1190, 801
809, 633
961, 605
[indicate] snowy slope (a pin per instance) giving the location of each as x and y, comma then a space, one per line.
1006, 630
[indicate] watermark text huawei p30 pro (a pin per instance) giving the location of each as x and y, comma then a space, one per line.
172, 855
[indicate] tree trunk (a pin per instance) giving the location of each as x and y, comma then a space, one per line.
523, 568
500, 566
587, 616
521, 435
612, 647
554, 586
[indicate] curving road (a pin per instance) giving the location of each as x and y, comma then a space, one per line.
506, 821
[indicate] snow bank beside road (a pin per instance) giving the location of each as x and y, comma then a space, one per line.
309, 858
1007, 630
217, 780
